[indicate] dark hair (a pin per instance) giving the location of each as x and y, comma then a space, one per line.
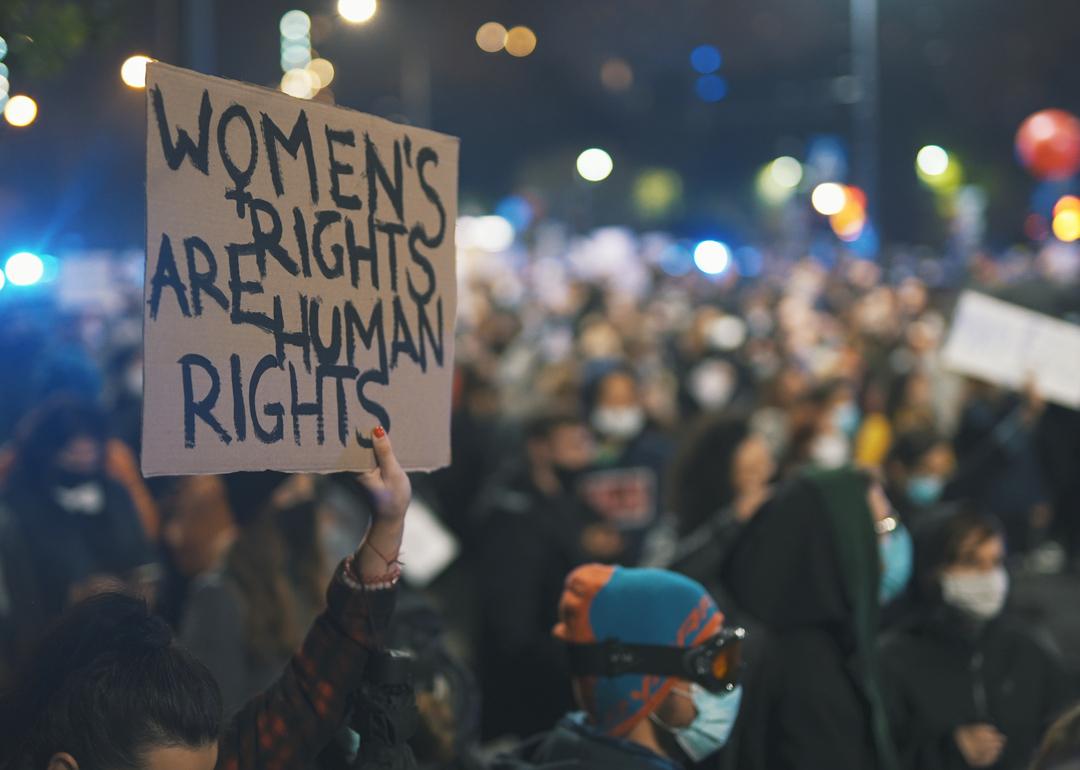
1061, 743
48, 429
540, 425
249, 493
912, 445
701, 474
107, 684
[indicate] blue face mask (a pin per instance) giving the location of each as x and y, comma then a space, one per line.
925, 490
896, 554
846, 418
711, 728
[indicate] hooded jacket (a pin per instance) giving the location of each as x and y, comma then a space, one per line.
804, 576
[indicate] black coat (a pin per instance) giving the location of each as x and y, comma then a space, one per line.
574, 746
940, 672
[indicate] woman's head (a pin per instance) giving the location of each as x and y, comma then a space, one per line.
63, 443
109, 689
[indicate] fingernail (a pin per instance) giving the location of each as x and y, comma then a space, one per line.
379, 432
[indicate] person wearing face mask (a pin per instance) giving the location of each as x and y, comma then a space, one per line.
77, 528
655, 675
918, 469
808, 576
967, 685
625, 485
531, 531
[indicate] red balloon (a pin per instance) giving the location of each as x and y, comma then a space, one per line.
1048, 144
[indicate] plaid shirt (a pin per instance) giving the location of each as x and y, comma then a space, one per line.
288, 724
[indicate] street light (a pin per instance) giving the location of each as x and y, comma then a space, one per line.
20, 110
357, 11
594, 165
932, 160
133, 71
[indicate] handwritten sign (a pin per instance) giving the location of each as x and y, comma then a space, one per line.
300, 283
1009, 345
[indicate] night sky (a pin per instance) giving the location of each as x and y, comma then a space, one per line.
960, 73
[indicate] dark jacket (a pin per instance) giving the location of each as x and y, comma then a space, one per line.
573, 745
940, 671
528, 544
804, 576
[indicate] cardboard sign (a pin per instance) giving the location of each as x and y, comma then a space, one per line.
300, 282
1009, 345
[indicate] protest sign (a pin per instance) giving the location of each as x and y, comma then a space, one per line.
300, 282
1010, 346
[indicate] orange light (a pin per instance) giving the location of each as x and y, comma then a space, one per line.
848, 222
1067, 203
1066, 225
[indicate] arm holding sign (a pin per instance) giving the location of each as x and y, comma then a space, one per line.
291, 722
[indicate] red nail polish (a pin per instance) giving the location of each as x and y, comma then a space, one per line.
379, 432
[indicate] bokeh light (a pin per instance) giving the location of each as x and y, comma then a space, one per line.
656, 192
3, 69
3, 48
786, 172
1066, 225
491, 37
828, 198
299, 83
493, 233
24, 268
594, 165
932, 160
295, 25
616, 75
133, 71
20, 110
520, 41
712, 257
1067, 203
516, 210
357, 11
295, 56
705, 59
4, 84
711, 88
322, 70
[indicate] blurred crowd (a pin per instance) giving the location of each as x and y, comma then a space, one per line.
786, 434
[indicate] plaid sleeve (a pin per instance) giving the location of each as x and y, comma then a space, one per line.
288, 724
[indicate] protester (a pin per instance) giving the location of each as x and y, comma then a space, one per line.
532, 532
918, 470
811, 571
967, 685
72, 530
641, 718
109, 687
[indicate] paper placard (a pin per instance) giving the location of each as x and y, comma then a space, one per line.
1009, 345
300, 282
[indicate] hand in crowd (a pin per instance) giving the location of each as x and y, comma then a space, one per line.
390, 486
980, 744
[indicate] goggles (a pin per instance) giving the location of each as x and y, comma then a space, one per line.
714, 664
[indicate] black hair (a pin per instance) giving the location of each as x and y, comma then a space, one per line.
701, 481
594, 381
542, 424
249, 493
912, 445
106, 685
48, 430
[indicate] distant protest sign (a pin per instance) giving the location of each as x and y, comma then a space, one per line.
300, 282
1011, 346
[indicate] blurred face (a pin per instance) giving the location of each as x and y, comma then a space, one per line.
571, 447
978, 555
201, 526
618, 391
939, 462
753, 465
678, 709
81, 456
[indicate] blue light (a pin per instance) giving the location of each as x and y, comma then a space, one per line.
24, 268
712, 257
3, 48
517, 211
706, 59
676, 260
711, 88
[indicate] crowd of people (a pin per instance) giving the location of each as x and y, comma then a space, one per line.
774, 469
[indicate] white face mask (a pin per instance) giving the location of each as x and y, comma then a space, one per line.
830, 450
980, 594
87, 499
619, 422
